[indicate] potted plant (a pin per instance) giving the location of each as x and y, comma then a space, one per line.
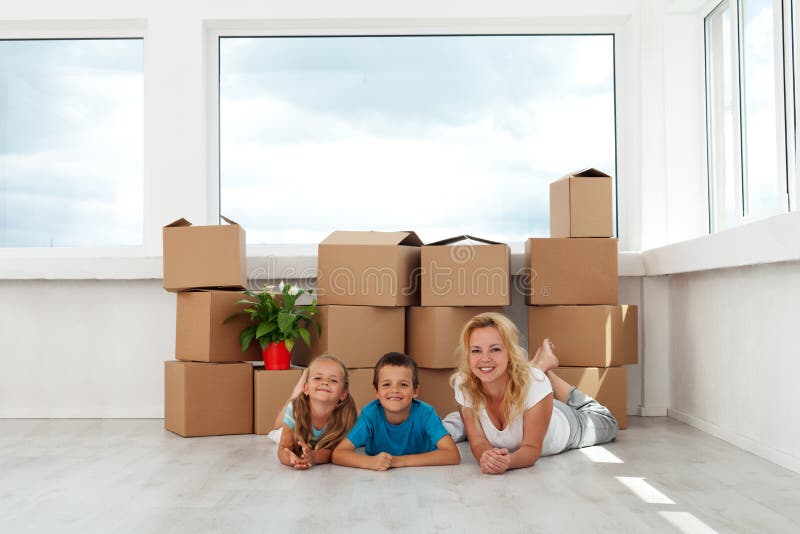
277, 322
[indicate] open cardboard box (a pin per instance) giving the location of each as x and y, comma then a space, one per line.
475, 273
571, 271
204, 256
369, 269
586, 336
581, 205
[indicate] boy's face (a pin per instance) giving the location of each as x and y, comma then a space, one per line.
396, 389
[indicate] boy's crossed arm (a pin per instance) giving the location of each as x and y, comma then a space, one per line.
446, 453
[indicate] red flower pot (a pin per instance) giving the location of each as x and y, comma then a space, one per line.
276, 356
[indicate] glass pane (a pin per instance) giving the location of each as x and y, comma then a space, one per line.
71, 142
441, 134
725, 182
764, 138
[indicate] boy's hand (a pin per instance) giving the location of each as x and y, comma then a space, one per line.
297, 462
381, 461
495, 461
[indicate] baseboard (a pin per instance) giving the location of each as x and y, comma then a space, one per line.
759, 449
652, 411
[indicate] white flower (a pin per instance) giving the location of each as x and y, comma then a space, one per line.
294, 290
269, 289
281, 286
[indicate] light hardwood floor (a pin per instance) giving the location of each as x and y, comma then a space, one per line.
133, 476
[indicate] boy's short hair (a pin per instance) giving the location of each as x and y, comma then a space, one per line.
398, 359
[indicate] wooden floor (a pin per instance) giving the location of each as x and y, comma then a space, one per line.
133, 476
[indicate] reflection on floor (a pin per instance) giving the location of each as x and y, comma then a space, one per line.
133, 476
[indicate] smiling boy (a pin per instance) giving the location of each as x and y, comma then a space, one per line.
396, 429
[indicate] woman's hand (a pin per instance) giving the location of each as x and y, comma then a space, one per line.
495, 461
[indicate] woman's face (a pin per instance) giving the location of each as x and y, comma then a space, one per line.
325, 382
488, 357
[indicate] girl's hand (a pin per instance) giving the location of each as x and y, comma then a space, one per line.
495, 461
306, 451
295, 461
381, 461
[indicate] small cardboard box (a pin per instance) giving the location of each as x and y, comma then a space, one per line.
369, 269
200, 334
433, 334
204, 256
581, 205
271, 390
357, 335
435, 389
466, 274
586, 336
361, 387
208, 399
606, 385
570, 271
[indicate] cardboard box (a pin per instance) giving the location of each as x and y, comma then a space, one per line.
200, 334
606, 385
369, 269
208, 399
357, 335
467, 274
271, 390
586, 336
434, 388
570, 271
361, 387
204, 256
581, 205
433, 334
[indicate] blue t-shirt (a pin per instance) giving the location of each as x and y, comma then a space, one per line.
418, 434
288, 420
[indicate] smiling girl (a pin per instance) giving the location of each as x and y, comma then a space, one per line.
514, 410
319, 415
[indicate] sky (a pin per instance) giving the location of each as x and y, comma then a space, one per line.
441, 135
71, 142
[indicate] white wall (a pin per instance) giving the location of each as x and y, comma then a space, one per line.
735, 356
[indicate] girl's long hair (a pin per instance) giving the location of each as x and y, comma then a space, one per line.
341, 420
519, 371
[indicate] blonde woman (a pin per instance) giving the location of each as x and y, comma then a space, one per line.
514, 410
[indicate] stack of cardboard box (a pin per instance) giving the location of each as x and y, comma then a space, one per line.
365, 281
461, 277
571, 283
208, 389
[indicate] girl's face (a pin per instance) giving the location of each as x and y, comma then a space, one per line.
488, 357
325, 382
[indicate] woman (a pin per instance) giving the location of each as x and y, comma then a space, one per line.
514, 410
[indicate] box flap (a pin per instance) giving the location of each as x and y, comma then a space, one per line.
465, 237
179, 222
588, 173
229, 221
345, 237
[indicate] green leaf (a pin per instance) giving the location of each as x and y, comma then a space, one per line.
264, 329
289, 344
286, 321
305, 335
246, 337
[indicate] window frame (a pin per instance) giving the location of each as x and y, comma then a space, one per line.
784, 115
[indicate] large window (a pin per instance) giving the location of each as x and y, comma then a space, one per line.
444, 135
750, 141
71, 142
